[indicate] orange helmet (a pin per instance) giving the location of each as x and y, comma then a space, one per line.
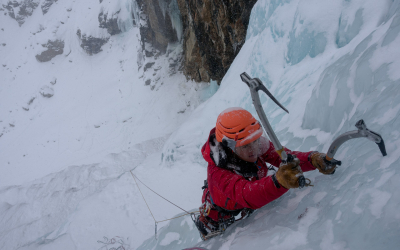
238, 125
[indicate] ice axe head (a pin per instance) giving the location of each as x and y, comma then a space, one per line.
362, 131
371, 135
256, 84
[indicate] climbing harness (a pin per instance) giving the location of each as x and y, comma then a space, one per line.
207, 227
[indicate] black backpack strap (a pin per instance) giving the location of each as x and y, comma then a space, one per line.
205, 185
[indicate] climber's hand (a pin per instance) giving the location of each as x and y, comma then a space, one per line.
319, 161
289, 173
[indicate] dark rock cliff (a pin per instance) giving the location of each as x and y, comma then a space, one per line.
213, 34
21, 10
46, 5
53, 48
91, 45
156, 28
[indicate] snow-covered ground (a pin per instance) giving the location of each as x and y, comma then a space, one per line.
65, 156
72, 128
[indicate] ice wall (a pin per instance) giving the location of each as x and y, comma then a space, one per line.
330, 64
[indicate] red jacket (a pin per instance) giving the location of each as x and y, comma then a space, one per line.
232, 191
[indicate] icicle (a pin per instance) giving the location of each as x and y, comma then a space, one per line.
156, 231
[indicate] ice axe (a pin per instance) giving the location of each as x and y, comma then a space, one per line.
255, 85
362, 131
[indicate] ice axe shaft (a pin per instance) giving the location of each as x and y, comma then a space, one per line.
255, 85
362, 131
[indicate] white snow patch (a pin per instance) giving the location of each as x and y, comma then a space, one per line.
169, 238
379, 201
294, 202
348, 177
328, 239
389, 115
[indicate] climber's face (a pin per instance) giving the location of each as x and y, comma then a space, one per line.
249, 152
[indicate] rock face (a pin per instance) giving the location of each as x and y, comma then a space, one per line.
54, 48
91, 45
213, 34
110, 23
156, 29
46, 5
20, 10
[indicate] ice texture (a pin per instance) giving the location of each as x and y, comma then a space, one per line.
176, 18
307, 43
346, 31
177, 234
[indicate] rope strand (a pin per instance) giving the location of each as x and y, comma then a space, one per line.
144, 198
155, 221
160, 195
187, 213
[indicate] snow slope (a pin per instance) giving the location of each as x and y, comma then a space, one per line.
330, 63
72, 128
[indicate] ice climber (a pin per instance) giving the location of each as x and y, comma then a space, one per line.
238, 179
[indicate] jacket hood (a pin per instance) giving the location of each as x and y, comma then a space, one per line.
206, 150
216, 154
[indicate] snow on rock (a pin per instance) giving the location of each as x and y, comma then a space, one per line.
46, 91
20, 10
110, 22
46, 4
54, 48
92, 45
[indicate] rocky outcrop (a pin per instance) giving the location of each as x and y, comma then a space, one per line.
20, 10
109, 22
54, 48
214, 33
91, 45
156, 29
46, 5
